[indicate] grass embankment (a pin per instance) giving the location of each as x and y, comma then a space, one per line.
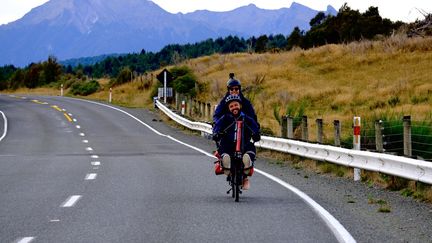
333, 81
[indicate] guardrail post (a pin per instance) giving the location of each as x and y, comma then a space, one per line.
356, 144
407, 136
290, 127
337, 133
305, 134
110, 95
378, 136
319, 123
284, 127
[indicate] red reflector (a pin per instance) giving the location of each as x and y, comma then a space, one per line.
356, 130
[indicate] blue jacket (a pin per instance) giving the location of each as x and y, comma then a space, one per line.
224, 131
222, 109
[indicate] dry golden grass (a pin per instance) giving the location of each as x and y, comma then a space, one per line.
37, 91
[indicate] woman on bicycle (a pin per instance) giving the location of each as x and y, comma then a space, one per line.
234, 88
224, 133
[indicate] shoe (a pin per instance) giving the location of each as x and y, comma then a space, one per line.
247, 160
226, 163
218, 168
246, 184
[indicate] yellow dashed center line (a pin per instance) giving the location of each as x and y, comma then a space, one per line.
67, 117
56, 107
38, 102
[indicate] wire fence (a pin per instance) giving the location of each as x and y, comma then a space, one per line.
392, 135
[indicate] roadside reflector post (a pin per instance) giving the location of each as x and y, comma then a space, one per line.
61, 90
183, 107
165, 87
110, 95
356, 143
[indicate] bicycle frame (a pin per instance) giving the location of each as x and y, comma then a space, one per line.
237, 166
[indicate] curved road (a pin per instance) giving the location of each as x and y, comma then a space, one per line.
75, 171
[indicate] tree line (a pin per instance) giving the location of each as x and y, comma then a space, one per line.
347, 26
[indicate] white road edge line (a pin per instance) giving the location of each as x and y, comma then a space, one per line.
339, 231
5, 127
25, 240
91, 176
70, 202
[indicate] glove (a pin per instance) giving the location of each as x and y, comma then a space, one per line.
256, 137
217, 136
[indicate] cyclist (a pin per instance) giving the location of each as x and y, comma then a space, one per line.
234, 88
224, 135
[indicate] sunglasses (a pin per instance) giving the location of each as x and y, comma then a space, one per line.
234, 89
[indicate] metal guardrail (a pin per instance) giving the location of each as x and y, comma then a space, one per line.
413, 169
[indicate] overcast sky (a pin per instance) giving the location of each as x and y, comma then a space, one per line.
404, 10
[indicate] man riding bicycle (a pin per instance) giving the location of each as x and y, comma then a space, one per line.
224, 133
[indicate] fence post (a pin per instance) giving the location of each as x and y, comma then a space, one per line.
110, 95
290, 127
208, 112
200, 105
189, 106
356, 144
378, 136
337, 133
305, 134
194, 104
284, 126
319, 123
407, 136
212, 110
177, 101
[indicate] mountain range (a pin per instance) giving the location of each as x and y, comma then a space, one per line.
81, 28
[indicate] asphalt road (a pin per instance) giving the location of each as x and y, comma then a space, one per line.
74, 171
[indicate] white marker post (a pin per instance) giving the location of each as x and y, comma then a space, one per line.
183, 106
110, 95
61, 90
165, 87
356, 144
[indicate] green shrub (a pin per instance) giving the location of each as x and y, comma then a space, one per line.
84, 87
